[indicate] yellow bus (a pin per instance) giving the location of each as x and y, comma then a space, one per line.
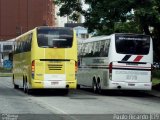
45, 58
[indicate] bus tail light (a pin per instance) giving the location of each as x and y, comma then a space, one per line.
33, 68
76, 66
110, 71
152, 69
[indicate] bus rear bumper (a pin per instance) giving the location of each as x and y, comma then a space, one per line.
130, 86
55, 84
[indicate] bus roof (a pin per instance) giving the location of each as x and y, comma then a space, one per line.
97, 38
104, 37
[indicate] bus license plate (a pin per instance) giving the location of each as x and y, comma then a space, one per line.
131, 84
54, 83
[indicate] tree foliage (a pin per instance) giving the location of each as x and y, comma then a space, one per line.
109, 16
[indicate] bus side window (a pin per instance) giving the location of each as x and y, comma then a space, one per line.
89, 50
96, 50
42, 40
106, 49
22, 46
25, 46
101, 54
18, 47
83, 50
29, 42
86, 50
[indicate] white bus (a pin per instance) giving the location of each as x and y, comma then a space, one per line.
118, 61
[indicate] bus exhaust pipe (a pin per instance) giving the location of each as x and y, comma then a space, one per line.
119, 87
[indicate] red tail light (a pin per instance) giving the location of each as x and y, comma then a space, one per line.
33, 68
110, 67
76, 66
152, 69
110, 71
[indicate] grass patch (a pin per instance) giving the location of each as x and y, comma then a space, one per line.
155, 81
156, 77
5, 74
4, 70
156, 74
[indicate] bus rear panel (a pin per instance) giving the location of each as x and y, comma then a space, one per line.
131, 62
54, 67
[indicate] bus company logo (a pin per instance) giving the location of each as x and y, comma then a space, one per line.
132, 38
136, 59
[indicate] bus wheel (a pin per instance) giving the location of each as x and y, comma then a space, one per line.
94, 86
15, 86
98, 85
78, 86
24, 86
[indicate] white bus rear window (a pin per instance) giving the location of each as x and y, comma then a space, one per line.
132, 44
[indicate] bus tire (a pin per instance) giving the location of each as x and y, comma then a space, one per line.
15, 86
78, 86
99, 85
26, 89
24, 86
94, 86
29, 91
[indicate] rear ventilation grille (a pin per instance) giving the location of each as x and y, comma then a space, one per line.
54, 67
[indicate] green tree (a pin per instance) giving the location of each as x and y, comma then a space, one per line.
109, 16
148, 16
